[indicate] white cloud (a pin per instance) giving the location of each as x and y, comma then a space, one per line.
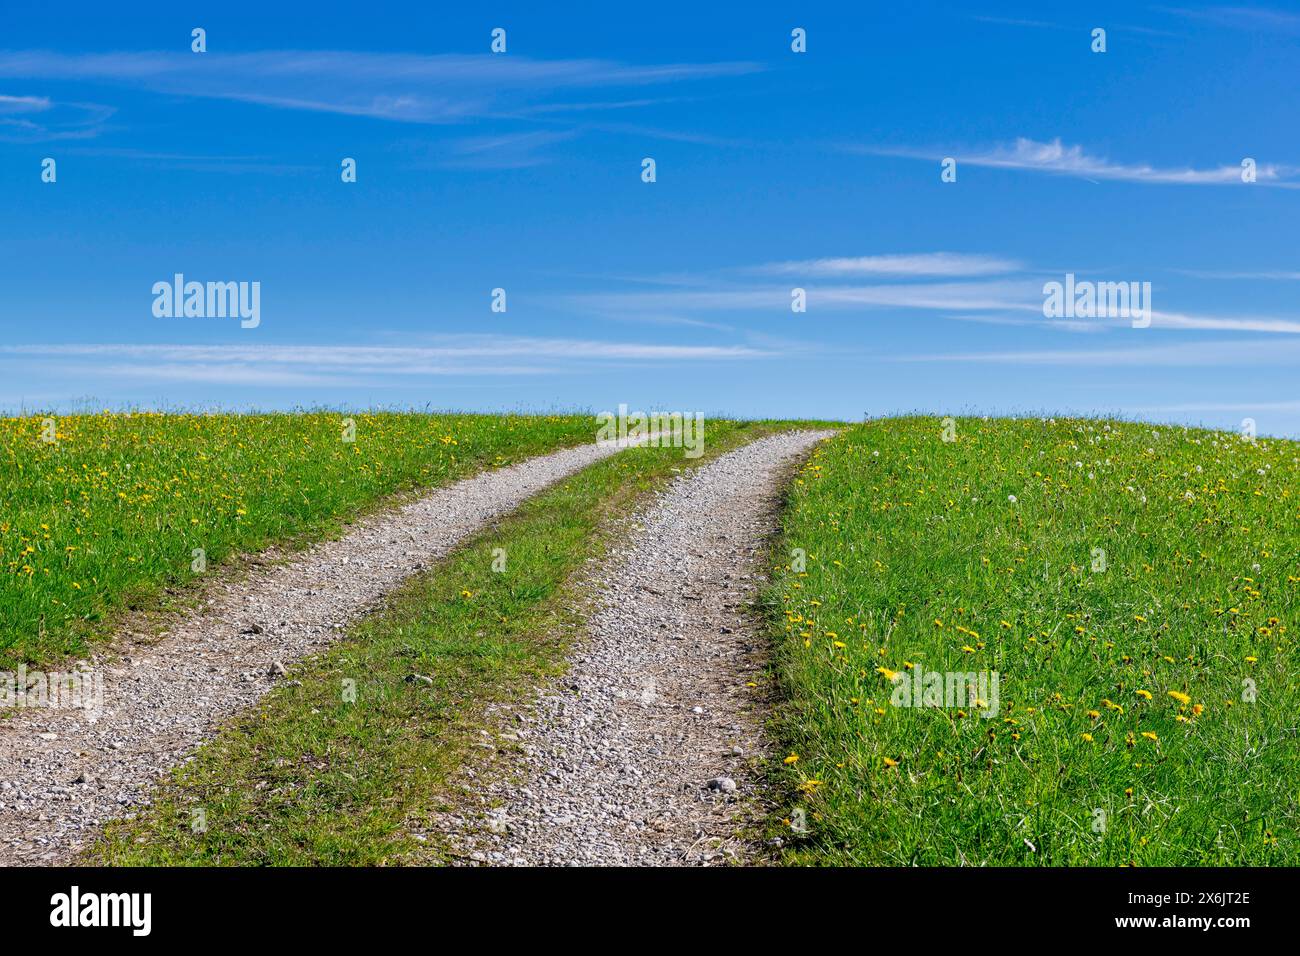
442, 359
23, 104
34, 118
1059, 159
211, 373
1176, 320
1022, 295
950, 264
999, 300
1276, 275
483, 357
1243, 18
404, 87
506, 151
1253, 352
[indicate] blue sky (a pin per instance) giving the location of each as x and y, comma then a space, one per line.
775, 170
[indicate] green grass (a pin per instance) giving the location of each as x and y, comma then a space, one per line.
310, 778
917, 557
106, 518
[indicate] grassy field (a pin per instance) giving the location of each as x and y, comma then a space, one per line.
310, 778
109, 513
1134, 588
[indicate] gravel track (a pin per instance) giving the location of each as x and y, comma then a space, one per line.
645, 752
62, 775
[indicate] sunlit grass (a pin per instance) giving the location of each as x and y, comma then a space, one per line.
1134, 587
111, 512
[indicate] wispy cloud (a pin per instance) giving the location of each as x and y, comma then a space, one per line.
36, 118
288, 365
1011, 294
1018, 22
1243, 18
596, 106
919, 264
992, 294
1057, 158
507, 151
401, 87
1248, 352
1280, 275
1045, 25
1178, 320
23, 104
194, 161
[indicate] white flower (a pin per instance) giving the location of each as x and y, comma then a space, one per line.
1011, 498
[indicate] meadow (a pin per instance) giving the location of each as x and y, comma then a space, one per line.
1133, 587
109, 513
